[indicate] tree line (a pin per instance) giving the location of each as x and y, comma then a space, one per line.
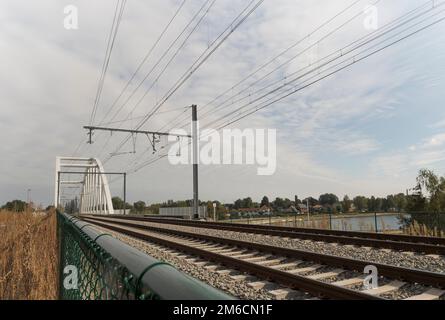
427, 195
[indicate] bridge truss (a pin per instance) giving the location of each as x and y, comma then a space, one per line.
95, 195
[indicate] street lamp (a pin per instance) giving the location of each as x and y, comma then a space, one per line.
214, 211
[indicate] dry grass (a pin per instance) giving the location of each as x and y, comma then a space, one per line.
418, 229
28, 260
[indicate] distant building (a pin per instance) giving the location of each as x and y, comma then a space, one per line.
302, 208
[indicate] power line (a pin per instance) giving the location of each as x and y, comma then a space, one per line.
282, 53
111, 40
165, 53
340, 53
172, 44
118, 12
354, 61
145, 59
199, 62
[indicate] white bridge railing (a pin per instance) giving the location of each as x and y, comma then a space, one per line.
95, 196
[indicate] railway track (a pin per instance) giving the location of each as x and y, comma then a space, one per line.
427, 245
291, 273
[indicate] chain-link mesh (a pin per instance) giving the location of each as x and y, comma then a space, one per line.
99, 275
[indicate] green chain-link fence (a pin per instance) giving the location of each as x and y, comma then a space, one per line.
94, 265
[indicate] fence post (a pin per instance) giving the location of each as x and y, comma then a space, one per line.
330, 221
375, 222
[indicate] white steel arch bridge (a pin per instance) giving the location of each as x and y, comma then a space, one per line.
95, 195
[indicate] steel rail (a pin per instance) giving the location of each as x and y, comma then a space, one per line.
314, 287
412, 275
429, 245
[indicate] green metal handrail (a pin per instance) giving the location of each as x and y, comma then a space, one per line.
95, 265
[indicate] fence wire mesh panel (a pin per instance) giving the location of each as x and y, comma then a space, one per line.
99, 275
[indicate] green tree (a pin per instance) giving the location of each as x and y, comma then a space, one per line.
265, 201
118, 203
391, 203
346, 203
278, 203
371, 204
139, 206
360, 202
400, 201
15, 205
287, 203
247, 202
328, 199
238, 204
378, 204
434, 185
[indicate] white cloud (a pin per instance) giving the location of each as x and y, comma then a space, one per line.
48, 78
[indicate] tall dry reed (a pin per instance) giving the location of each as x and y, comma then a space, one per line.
419, 229
28, 256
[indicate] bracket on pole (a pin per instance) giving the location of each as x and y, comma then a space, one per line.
90, 136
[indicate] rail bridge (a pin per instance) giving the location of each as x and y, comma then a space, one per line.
95, 195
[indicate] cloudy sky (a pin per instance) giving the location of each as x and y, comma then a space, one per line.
367, 129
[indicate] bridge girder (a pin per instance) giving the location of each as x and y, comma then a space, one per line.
95, 197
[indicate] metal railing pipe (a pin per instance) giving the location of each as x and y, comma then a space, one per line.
159, 277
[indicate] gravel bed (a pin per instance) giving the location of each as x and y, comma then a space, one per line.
347, 275
240, 288
225, 283
382, 282
320, 270
416, 261
406, 291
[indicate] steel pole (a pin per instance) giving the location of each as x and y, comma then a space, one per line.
125, 193
195, 161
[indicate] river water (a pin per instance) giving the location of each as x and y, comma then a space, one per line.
385, 222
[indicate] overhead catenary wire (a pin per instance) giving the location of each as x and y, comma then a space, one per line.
205, 7
145, 59
322, 77
340, 52
270, 61
118, 12
274, 58
165, 53
305, 37
355, 60
249, 95
120, 6
201, 60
